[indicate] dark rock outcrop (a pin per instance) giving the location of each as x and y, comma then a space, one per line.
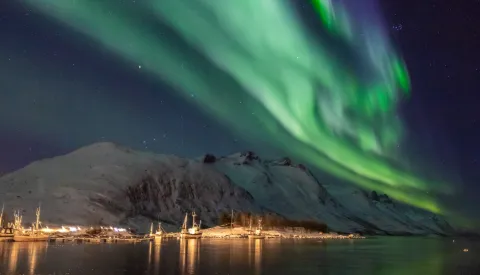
209, 158
171, 197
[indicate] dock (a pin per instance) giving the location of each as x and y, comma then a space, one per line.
95, 239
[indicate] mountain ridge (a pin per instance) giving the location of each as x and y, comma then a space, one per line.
112, 184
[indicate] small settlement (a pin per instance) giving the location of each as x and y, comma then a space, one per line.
15, 231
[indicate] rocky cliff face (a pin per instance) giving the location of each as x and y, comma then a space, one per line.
189, 188
109, 184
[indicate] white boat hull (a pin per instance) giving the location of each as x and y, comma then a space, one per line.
255, 237
191, 236
30, 238
6, 237
6, 234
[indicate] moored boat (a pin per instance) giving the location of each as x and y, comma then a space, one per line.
35, 235
31, 238
257, 234
157, 236
6, 230
6, 234
192, 232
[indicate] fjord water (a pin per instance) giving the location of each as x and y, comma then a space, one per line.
382, 255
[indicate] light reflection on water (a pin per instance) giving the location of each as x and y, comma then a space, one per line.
258, 254
154, 249
29, 253
189, 255
272, 256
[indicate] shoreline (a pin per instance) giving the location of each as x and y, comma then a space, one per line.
217, 232
241, 232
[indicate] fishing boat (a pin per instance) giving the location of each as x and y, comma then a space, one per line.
35, 235
257, 234
192, 232
6, 229
6, 233
159, 233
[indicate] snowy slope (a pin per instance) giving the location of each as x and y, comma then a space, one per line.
110, 184
293, 191
104, 183
285, 189
388, 215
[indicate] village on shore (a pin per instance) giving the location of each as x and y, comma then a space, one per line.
15, 231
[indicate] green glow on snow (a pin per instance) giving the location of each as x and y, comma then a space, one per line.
323, 109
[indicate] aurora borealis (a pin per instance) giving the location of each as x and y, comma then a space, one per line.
326, 93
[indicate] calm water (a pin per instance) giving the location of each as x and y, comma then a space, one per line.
387, 255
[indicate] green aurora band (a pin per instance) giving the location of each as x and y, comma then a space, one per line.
327, 99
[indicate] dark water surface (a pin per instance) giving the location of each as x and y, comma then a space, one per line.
383, 255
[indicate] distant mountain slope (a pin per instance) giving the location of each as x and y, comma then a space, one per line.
110, 184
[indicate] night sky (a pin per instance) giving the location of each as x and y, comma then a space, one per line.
440, 42
60, 90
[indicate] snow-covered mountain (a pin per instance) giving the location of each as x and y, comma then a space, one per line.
110, 184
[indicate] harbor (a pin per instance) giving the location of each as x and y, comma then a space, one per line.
37, 232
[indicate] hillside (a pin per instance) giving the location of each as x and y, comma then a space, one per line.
108, 184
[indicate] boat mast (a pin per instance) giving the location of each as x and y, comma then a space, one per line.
1, 216
18, 219
184, 226
15, 217
160, 229
193, 218
151, 228
250, 223
38, 218
159, 223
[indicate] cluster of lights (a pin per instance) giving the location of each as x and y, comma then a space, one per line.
61, 230
114, 229
72, 229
